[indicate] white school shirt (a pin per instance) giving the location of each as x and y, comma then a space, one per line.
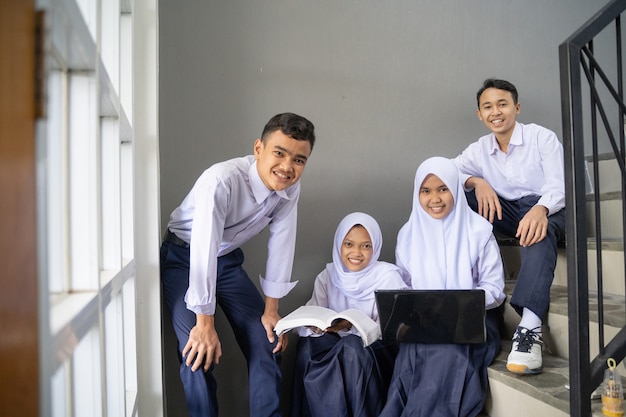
488, 274
227, 206
533, 165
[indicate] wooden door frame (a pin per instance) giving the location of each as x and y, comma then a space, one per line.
19, 299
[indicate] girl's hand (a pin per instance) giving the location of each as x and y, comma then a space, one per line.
315, 329
338, 326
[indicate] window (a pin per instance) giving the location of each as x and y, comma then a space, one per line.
86, 174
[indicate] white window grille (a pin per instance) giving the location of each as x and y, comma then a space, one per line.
86, 172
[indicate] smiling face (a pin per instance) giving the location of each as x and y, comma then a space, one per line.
435, 197
497, 110
356, 249
280, 159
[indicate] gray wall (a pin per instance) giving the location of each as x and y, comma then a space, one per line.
386, 83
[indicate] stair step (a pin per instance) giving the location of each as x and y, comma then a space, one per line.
609, 173
547, 394
614, 308
548, 388
611, 215
612, 261
544, 394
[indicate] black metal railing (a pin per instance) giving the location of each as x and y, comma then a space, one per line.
600, 103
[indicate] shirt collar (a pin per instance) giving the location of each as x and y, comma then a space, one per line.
259, 189
516, 139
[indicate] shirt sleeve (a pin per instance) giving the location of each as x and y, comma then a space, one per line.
553, 190
318, 298
490, 272
211, 200
467, 164
280, 251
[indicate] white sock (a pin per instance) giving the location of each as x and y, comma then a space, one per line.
530, 320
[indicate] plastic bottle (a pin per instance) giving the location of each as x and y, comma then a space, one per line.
612, 393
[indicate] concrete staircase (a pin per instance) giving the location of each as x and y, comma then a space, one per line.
547, 394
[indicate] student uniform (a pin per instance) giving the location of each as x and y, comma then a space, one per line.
334, 374
201, 266
529, 173
456, 252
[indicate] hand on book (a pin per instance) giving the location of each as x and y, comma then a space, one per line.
317, 318
339, 325
315, 329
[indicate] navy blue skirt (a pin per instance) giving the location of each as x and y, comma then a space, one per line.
337, 376
431, 380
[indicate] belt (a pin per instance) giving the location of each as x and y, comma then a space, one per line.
172, 238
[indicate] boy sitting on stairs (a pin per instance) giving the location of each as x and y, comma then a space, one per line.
514, 177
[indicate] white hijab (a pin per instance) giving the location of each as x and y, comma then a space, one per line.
440, 253
362, 284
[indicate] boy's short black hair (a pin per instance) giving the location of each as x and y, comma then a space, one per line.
291, 125
500, 85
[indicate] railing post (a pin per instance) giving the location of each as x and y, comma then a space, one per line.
578, 293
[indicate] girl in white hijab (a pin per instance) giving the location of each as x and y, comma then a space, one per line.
334, 373
461, 250
445, 245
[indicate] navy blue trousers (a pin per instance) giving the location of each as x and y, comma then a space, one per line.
243, 306
532, 289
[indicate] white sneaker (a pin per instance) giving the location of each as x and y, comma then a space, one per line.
525, 356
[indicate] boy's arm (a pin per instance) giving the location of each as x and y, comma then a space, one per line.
471, 173
553, 189
533, 227
280, 252
488, 202
203, 347
269, 319
211, 202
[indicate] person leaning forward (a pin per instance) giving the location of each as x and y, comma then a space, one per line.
201, 263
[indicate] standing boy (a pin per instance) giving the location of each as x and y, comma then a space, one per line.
516, 180
201, 263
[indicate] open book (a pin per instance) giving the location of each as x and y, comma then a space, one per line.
323, 318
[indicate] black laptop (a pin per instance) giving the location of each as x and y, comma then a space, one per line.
432, 316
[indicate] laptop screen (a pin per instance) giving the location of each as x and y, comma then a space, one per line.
432, 316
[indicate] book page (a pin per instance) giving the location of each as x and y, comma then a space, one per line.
368, 329
305, 316
323, 318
